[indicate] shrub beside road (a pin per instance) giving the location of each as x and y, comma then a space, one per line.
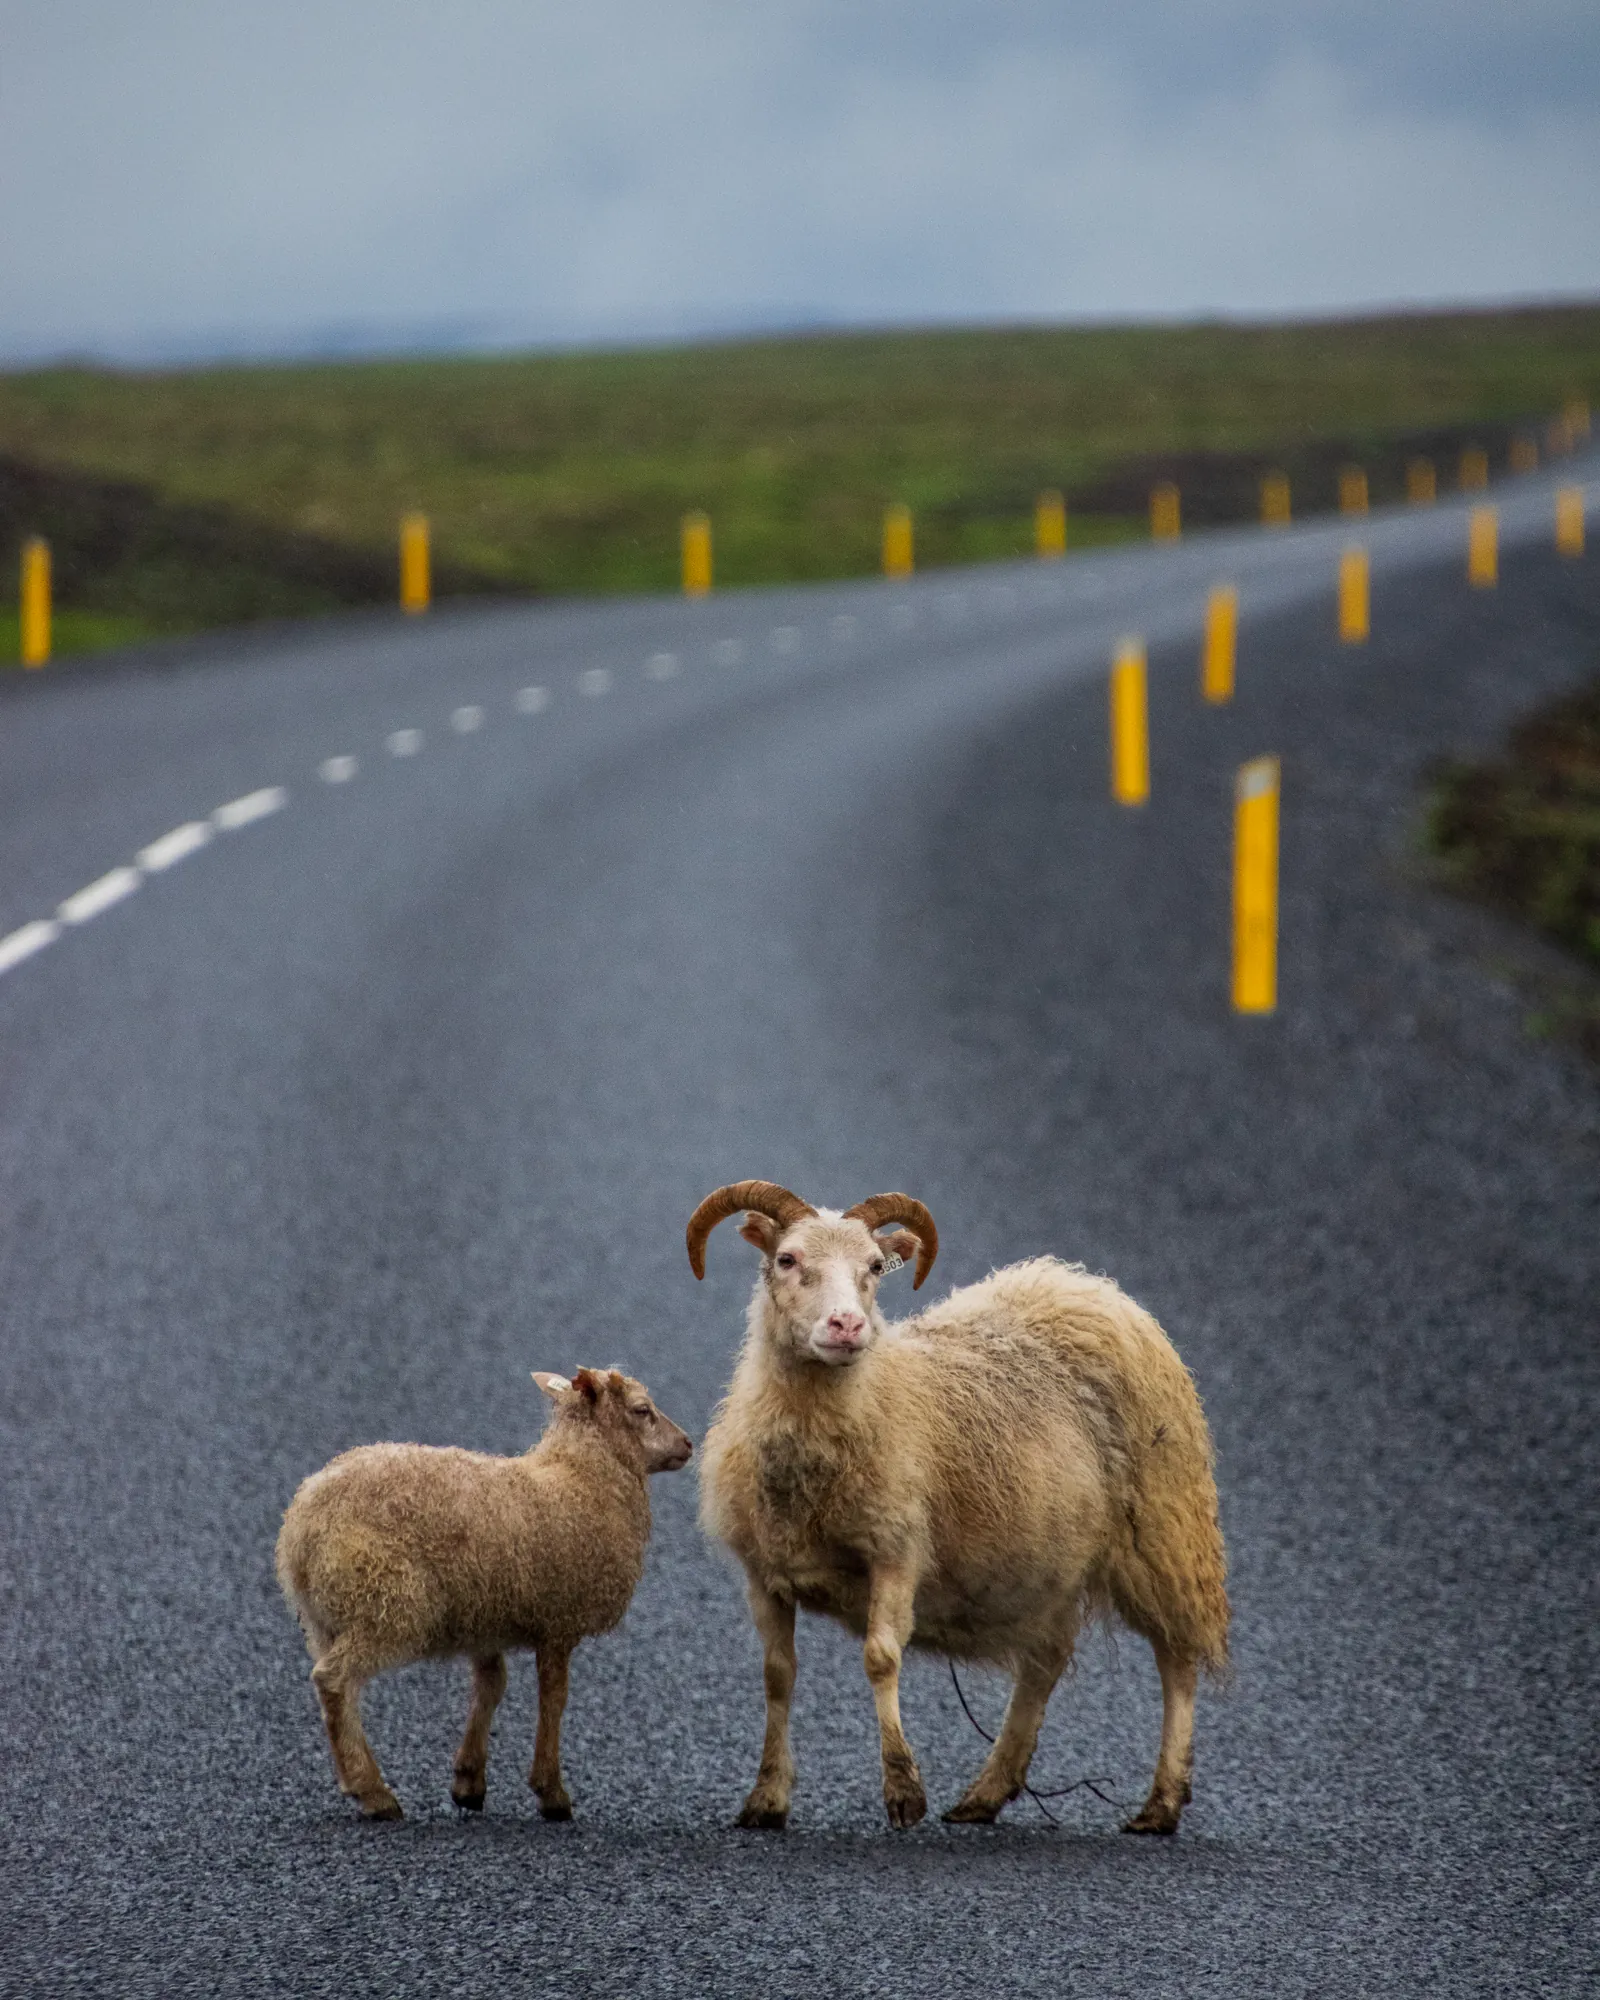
1522, 831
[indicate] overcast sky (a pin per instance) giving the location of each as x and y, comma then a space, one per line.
182, 177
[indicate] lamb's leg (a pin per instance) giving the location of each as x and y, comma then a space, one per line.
545, 1777
1169, 1790
1006, 1770
768, 1803
472, 1759
339, 1677
889, 1623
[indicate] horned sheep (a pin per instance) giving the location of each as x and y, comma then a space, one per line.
977, 1481
401, 1552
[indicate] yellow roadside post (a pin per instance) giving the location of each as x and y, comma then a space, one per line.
1483, 548
35, 606
696, 538
1275, 500
1221, 644
1355, 596
416, 578
1422, 482
1353, 490
1474, 469
1166, 520
1524, 455
1255, 886
1130, 726
1050, 525
897, 559
1569, 521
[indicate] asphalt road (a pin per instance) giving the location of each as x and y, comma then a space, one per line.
334, 1127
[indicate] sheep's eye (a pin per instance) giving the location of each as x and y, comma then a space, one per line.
640, 1410
876, 1267
786, 1261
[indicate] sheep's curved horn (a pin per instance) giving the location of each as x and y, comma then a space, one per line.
765, 1197
878, 1209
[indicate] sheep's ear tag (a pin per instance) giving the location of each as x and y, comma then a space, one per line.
552, 1385
893, 1262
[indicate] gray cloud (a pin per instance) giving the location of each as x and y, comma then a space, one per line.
194, 174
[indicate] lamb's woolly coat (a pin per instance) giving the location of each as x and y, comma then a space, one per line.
427, 1551
400, 1552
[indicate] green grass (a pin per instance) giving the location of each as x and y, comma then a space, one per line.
79, 632
1523, 830
568, 473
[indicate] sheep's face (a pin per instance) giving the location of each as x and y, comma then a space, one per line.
623, 1410
821, 1277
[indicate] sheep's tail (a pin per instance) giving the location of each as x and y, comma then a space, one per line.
1168, 1578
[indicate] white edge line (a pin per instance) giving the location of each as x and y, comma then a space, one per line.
23, 943
252, 806
94, 897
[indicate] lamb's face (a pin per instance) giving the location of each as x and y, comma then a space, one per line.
622, 1409
821, 1275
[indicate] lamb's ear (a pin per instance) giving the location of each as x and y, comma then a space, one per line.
554, 1386
760, 1230
616, 1382
587, 1384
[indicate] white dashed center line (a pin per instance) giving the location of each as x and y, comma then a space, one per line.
183, 840
98, 896
25, 942
173, 846
253, 806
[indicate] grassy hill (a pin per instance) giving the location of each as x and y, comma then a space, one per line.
190, 498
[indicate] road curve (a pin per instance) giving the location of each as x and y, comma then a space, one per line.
466, 953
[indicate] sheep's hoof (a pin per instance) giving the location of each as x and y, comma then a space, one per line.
1155, 1817
906, 1808
764, 1819
974, 1812
384, 1806
555, 1808
469, 1801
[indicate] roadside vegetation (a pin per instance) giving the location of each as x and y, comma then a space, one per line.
179, 500
1522, 832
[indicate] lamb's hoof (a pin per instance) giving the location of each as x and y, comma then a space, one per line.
973, 1812
906, 1808
555, 1808
763, 1819
469, 1801
386, 1806
1155, 1818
